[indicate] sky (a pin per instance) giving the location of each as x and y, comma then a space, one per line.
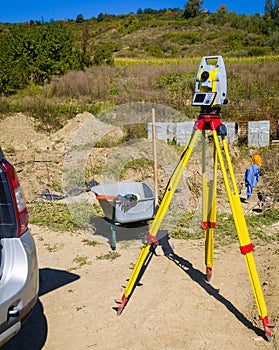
17, 11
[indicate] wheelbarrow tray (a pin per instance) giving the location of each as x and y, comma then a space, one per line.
141, 210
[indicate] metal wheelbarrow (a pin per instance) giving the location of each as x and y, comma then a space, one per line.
125, 202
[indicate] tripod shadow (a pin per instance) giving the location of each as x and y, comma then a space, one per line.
201, 279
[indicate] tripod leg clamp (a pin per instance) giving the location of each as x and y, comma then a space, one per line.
208, 224
247, 249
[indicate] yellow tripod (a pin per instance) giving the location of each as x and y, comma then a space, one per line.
213, 123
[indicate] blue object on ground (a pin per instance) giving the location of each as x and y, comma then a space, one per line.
251, 178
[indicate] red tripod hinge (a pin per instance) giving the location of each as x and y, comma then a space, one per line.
246, 249
199, 124
208, 224
151, 239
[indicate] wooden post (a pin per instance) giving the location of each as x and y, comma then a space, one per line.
156, 202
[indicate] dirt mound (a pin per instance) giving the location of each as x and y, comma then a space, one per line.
38, 157
18, 134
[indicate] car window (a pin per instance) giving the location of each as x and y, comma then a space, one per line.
8, 225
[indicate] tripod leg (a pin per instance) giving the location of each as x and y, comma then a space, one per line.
209, 252
133, 278
209, 217
209, 211
246, 246
151, 237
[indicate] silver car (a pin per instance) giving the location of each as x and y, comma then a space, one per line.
19, 274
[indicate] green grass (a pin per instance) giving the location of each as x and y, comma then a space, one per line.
183, 229
108, 142
258, 225
61, 217
139, 164
80, 260
51, 248
109, 256
225, 232
90, 242
53, 215
82, 213
57, 217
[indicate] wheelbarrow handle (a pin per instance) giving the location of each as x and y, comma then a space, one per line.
102, 197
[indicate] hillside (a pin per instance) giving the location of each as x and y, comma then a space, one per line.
53, 70
169, 34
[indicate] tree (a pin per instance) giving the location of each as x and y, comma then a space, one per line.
80, 18
268, 7
85, 59
101, 17
222, 10
276, 9
55, 52
192, 8
35, 53
149, 11
103, 54
270, 10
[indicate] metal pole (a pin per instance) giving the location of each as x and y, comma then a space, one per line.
156, 202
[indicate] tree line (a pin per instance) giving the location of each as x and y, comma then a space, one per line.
36, 53
31, 53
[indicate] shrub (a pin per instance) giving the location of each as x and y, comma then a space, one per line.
129, 25
183, 38
233, 42
154, 51
258, 51
102, 55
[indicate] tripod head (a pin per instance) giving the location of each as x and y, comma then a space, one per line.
211, 85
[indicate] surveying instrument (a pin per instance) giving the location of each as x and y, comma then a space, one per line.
210, 94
